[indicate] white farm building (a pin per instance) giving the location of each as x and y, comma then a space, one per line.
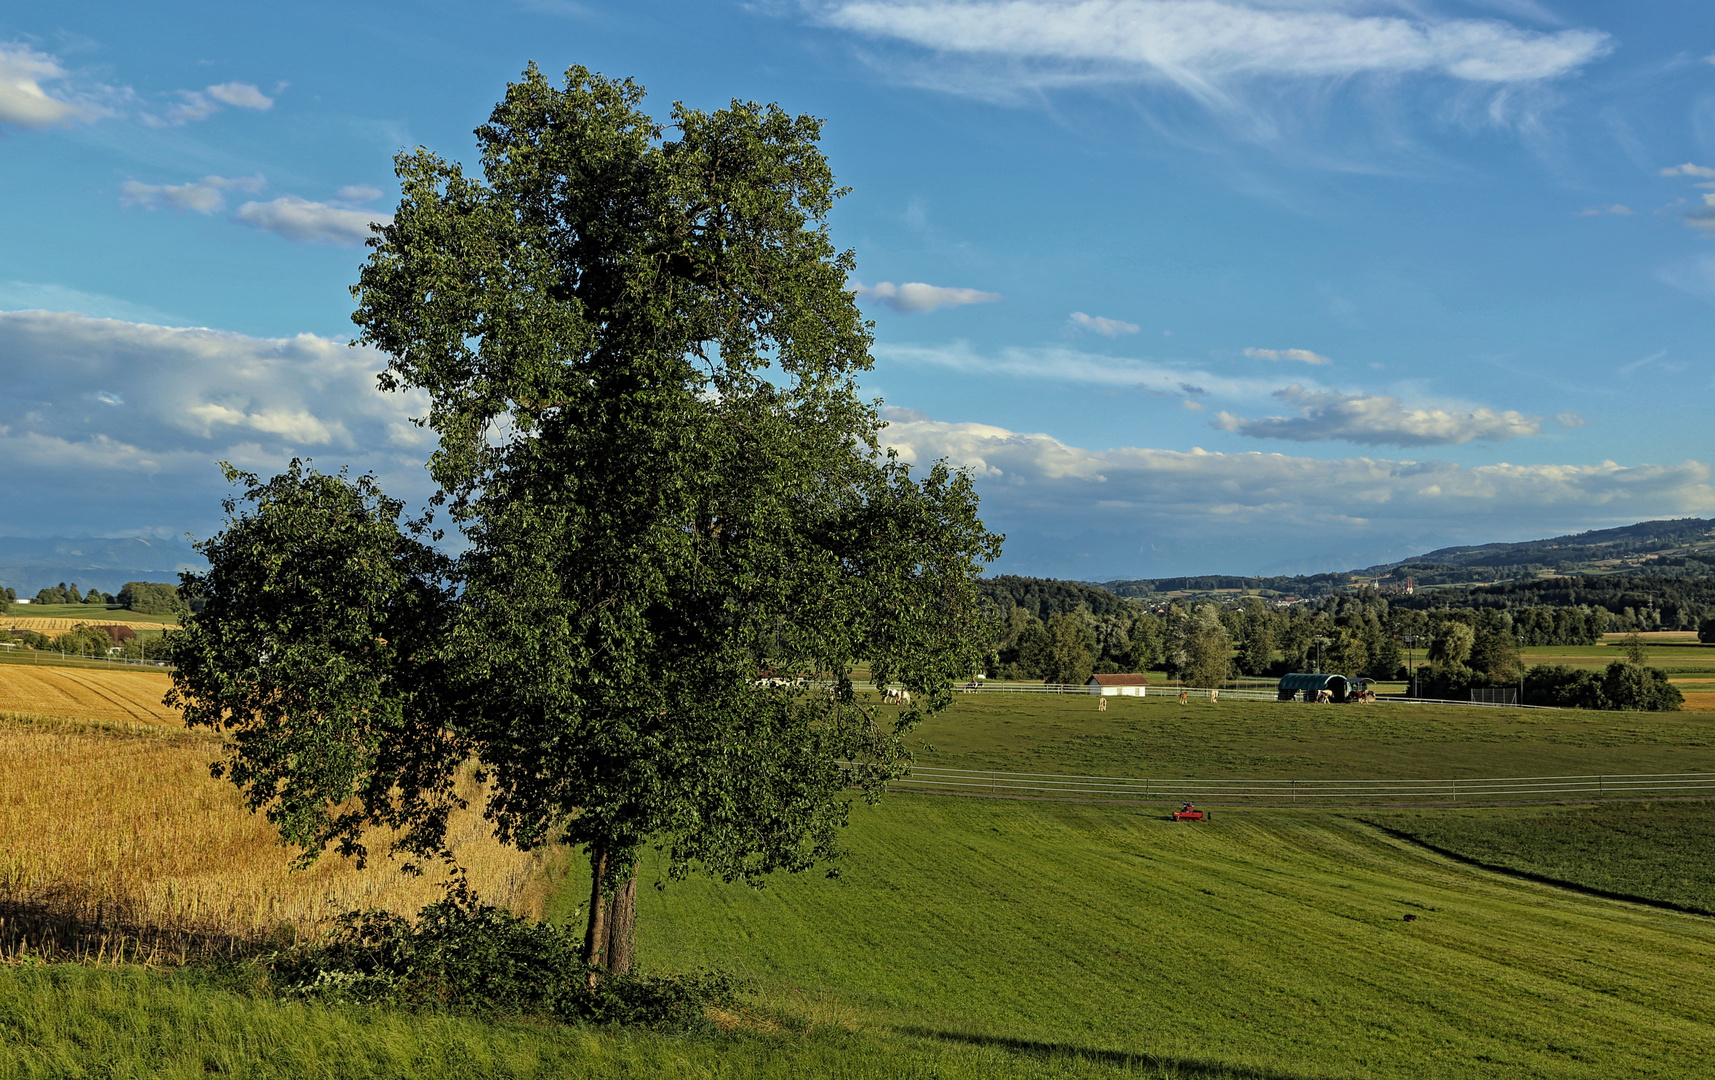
1117, 685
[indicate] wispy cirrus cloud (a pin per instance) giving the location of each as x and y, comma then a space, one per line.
1378, 420
1303, 356
205, 196
1102, 325
1617, 209
915, 296
1060, 364
1209, 49
197, 105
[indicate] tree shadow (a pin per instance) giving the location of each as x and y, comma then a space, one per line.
66, 924
1189, 1068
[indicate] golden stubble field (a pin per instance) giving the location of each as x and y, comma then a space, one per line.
85, 693
55, 625
112, 830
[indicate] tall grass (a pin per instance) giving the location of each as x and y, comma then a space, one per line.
115, 843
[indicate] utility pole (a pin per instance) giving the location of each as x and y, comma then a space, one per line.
1410, 666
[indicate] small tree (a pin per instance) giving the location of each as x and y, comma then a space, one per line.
1208, 650
1452, 643
1633, 647
1069, 659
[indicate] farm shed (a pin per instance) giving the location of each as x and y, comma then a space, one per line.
1311, 686
1121, 685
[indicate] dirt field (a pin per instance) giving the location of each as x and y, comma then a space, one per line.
60, 626
86, 694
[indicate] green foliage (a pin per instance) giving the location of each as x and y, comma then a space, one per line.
1069, 659
151, 598
1627, 685
1201, 651
686, 487
466, 957
1706, 631
1451, 646
1044, 598
318, 648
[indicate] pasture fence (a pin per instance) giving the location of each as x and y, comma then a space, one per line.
1088, 788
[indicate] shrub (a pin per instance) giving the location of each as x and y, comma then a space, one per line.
466, 957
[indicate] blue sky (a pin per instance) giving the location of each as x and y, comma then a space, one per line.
1190, 285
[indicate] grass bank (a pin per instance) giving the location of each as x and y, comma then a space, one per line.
1654, 851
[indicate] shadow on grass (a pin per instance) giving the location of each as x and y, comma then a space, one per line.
1535, 878
1189, 1068
64, 923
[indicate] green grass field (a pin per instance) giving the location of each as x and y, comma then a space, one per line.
91, 613
1656, 851
974, 937
1159, 737
1273, 941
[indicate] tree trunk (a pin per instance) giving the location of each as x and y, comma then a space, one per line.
622, 926
610, 936
595, 931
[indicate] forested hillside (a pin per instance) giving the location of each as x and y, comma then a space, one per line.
1044, 598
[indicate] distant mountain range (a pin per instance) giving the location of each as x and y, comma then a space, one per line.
1682, 548
105, 563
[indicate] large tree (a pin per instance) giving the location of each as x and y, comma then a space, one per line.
639, 355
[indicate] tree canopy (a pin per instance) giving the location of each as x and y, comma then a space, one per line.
640, 358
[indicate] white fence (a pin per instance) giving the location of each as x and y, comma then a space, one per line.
1147, 789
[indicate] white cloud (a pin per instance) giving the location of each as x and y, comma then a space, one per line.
1063, 365
1596, 211
202, 104
23, 101
1374, 420
205, 196
140, 413
314, 222
1101, 325
914, 296
240, 95
1304, 356
1207, 47
1128, 511
1688, 169
355, 194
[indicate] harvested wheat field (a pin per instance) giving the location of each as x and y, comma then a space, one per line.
87, 694
60, 626
113, 835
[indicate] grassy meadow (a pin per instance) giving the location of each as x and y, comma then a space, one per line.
1157, 736
1655, 851
966, 937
